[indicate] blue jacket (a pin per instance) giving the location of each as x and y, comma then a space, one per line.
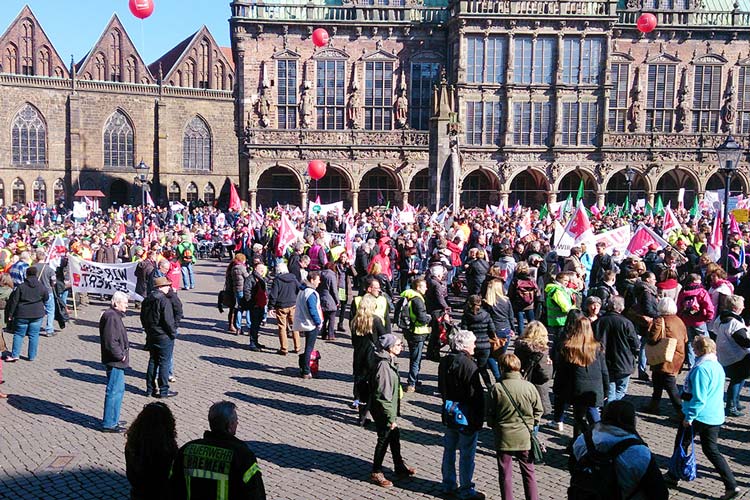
307, 313
706, 382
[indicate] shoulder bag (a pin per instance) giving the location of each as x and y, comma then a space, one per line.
537, 451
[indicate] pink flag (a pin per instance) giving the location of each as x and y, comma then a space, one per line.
734, 228
525, 224
716, 240
287, 234
234, 198
579, 223
670, 222
595, 210
642, 239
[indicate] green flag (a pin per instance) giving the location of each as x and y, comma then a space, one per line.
695, 211
544, 211
388, 204
579, 196
626, 206
659, 206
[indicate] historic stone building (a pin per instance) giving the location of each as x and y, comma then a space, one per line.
88, 124
477, 101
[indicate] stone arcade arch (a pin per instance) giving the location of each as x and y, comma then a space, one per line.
334, 186
570, 182
617, 189
480, 188
530, 187
669, 185
279, 185
378, 187
419, 188
716, 181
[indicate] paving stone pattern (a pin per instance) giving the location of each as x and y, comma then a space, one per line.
303, 432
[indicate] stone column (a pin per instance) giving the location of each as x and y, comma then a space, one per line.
551, 197
504, 195
650, 196
303, 199
355, 200
404, 198
600, 202
253, 199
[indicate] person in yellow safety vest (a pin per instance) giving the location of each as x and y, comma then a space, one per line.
419, 328
383, 307
220, 466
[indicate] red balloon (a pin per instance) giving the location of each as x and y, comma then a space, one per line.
646, 22
316, 169
142, 8
320, 37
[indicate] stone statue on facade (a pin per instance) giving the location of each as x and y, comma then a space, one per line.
681, 110
265, 106
306, 106
634, 113
728, 111
354, 107
401, 109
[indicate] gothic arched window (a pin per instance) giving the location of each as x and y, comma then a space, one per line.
29, 138
196, 149
118, 141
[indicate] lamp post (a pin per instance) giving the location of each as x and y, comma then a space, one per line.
307, 178
142, 170
629, 177
729, 154
39, 182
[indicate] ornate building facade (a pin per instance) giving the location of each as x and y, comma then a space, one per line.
480, 101
86, 125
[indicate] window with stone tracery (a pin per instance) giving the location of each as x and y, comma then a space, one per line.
118, 142
29, 139
196, 145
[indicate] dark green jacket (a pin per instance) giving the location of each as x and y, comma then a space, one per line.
386, 390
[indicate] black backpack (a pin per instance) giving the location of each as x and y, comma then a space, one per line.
401, 316
594, 476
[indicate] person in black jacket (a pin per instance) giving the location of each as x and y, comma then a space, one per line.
476, 270
437, 307
328, 290
620, 340
642, 313
282, 299
581, 377
194, 471
177, 311
458, 381
478, 321
602, 262
114, 344
157, 319
25, 311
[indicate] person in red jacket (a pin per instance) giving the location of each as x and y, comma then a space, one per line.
694, 307
384, 259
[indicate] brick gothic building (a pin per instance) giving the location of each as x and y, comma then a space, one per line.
85, 126
534, 96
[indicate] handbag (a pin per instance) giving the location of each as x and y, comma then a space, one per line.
496, 346
682, 462
661, 352
453, 409
537, 450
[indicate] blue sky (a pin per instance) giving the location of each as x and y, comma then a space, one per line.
73, 26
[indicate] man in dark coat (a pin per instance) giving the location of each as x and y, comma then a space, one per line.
620, 340
25, 311
114, 344
194, 471
459, 382
157, 318
437, 307
602, 262
282, 299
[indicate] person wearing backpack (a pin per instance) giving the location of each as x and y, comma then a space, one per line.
605, 289
612, 462
186, 251
256, 302
522, 293
415, 322
695, 309
513, 408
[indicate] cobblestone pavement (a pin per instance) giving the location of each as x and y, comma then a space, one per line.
303, 432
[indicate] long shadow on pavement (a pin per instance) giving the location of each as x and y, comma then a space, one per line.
280, 387
340, 464
344, 416
36, 406
209, 340
99, 366
67, 483
100, 380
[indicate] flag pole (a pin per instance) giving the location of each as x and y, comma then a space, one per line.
73, 291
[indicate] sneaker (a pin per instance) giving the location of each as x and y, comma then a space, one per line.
560, 427
729, 494
172, 379
379, 479
253, 348
644, 377
281, 352
11, 359
410, 388
355, 404
733, 412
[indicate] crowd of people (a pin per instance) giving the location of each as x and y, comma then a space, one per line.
530, 334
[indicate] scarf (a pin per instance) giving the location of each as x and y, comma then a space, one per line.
711, 356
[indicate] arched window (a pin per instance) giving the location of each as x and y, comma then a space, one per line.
191, 193
2, 193
130, 73
116, 72
39, 191
196, 149
27, 47
19, 192
58, 190
204, 75
173, 194
219, 77
11, 59
59, 72
45, 62
189, 76
100, 67
29, 138
209, 194
118, 141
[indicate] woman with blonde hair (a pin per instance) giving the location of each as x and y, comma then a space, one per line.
536, 366
581, 376
366, 327
501, 311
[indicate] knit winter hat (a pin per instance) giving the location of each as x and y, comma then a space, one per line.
387, 341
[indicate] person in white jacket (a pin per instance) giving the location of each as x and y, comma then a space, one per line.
733, 350
308, 318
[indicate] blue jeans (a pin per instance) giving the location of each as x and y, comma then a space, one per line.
618, 388
416, 345
584, 417
304, 358
694, 331
21, 328
49, 309
171, 356
642, 358
64, 296
466, 444
159, 355
522, 317
113, 397
188, 276
240, 313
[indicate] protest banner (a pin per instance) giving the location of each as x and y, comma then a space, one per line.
614, 239
105, 279
741, 215
324, 209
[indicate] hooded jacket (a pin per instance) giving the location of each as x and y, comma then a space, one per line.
620, 340
559, 303
706, 307
27, 300
481, 325
384, 261
669, 326
732, 338
283, 291
385, 400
